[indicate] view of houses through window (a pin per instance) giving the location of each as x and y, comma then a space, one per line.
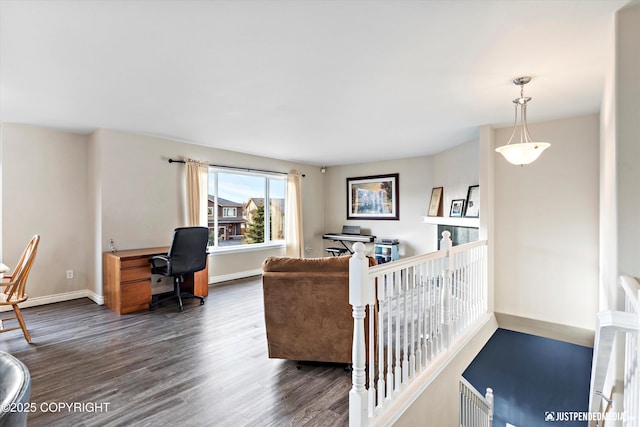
236, 208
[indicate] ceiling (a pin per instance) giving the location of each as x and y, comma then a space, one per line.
319, 82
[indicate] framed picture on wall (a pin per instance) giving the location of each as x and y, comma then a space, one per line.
435, 204
373, 197
457, 207
472, 205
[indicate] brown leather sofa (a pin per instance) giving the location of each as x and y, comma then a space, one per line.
306, 308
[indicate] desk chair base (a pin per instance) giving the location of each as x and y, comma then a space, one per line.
177, 294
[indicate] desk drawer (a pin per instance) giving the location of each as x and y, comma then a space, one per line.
135, 295
135, 262
137, 273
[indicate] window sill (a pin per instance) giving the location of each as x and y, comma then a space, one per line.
245, 248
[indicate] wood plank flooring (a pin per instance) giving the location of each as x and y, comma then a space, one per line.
206, 366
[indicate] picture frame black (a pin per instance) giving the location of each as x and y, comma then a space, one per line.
472, 203
374, 197
457, 208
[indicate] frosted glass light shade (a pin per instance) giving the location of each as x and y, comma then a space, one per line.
522, 153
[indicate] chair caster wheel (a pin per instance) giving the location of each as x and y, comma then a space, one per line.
180, 309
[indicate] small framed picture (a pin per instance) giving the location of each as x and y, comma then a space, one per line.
435, 204
457, 207
472, 205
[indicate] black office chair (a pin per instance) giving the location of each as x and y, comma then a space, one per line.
188, 254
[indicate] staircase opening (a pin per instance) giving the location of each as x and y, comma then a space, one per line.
534, 379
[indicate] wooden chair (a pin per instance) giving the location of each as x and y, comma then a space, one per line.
14, 291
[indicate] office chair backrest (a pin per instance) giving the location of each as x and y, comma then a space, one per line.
188, 252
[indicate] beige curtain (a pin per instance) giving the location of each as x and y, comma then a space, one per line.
293, 217
197, 197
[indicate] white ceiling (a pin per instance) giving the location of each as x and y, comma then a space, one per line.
321, 82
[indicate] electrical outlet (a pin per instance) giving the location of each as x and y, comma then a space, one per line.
69, 274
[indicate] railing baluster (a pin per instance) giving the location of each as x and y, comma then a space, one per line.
398, 318
422, 343
389, 279
406, 286
381, 311
371, 395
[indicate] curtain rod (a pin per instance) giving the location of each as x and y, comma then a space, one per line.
236, 168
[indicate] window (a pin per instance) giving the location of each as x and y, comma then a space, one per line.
237, 200
229, 212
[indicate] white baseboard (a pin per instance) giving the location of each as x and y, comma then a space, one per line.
67, 296
541, 328
234, 276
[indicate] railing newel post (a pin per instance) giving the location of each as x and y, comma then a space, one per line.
360, 295
489, 397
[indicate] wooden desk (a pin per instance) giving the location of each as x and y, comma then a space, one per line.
127, 279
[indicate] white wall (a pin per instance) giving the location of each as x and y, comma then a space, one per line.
608, 192
627, 110
619, 178
45, 192
546, 226
456, 169
80, 191
415, 181
142, 195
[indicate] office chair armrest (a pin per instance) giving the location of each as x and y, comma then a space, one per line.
165, 259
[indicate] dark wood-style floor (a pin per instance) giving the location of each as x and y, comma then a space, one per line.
206, 366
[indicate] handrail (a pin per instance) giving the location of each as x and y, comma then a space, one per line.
415, 259
466, 246
388, 267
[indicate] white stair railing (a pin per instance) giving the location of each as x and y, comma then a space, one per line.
476, 410
405, 314
609, 324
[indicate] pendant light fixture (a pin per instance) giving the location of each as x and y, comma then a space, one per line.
526, 151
